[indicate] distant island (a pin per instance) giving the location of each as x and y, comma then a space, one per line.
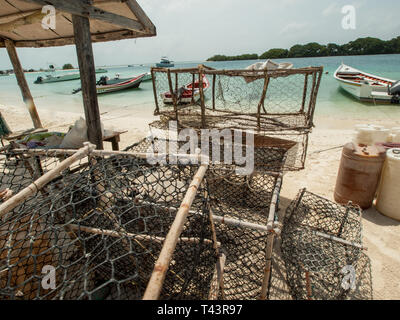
361, 46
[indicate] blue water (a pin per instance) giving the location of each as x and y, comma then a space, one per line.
331, 100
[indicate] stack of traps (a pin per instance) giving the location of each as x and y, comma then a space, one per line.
99, 226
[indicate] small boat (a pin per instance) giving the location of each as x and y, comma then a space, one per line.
147, 77
165, 63
187, 92
4, 74
367, 87
50, 78
106, 85
101, 70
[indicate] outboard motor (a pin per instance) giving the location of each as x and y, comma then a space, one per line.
394, 91
39, 80
102, 81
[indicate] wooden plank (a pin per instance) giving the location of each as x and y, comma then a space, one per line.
84, 8
87, 71
97, 37
142, 16
19, 74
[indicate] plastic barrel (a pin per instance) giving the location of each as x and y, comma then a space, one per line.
359, 173
388, 199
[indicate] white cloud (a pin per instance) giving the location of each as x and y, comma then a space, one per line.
331, 9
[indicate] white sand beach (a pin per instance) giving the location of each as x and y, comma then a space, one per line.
381, 234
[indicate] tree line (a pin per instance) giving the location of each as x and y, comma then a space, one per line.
361, 46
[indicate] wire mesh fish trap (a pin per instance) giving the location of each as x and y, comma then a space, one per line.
321, 244
263, 101
101, 225
244, 210
246, 226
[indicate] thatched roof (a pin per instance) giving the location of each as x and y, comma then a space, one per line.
20, 21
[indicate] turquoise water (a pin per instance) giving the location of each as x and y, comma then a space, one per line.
331, 100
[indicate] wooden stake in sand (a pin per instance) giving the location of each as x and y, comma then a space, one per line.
154, 286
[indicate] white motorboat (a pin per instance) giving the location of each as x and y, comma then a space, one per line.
367, 87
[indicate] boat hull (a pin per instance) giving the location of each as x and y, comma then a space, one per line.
363, 86
165, 65
188, 95
53, 79
121, 85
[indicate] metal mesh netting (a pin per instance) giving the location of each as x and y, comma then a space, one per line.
275, 151
241, 207
277, 100
321, 242
101, 227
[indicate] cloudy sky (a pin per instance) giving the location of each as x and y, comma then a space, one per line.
192, 30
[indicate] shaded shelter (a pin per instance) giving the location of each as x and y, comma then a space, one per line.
79, 22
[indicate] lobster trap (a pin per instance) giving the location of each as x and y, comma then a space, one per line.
275, 104
100, 223
244, 210
321, 246
263, 101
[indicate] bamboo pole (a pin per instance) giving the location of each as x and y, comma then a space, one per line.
154, 286
222, 220
10, 204
217, 278
105, 153
142, 237
23, 85
268, 266
273, 230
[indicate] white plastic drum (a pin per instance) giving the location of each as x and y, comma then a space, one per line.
395, 136
371, 134
388, 200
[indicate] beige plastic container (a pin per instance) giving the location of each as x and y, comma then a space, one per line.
388, 199
359, 173
370, 134
395, 135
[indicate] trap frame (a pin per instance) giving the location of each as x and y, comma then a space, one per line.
115, 227
263, 101
320, 239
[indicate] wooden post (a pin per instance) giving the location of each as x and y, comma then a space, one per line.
19, 74
261, 103
213, 90
84, 50
202, 99
153, 79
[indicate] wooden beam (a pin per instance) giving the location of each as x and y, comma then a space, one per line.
142, 16
84, 8
19, 74
87, 71
96, 37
